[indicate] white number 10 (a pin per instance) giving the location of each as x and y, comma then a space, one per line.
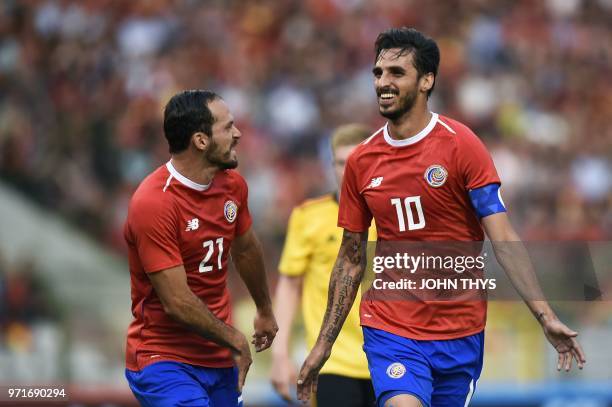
210, 245
409, 202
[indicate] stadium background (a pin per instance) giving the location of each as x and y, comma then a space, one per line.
82, 87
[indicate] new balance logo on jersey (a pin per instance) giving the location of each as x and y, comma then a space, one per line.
192, 224
376, 182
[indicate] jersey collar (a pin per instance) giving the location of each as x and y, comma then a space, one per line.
184, 180
413, 139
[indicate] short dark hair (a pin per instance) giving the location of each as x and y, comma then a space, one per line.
187, 113
425, 51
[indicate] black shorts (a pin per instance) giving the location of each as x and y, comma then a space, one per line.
334, 390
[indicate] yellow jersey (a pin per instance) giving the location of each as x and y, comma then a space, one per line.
311, 246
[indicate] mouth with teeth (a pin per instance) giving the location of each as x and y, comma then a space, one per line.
386, 97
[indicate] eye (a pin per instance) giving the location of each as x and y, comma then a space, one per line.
397, 72
377, 72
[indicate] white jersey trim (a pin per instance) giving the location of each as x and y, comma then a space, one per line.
447, 126
184, 180
413, 139
374, 135
167, 182
500, 198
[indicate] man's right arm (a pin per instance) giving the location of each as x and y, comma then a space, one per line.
182, 305
343, 286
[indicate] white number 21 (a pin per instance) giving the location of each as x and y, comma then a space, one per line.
414, 223
210, 245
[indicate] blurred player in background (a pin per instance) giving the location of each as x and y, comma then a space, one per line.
311, 246
183, 222
422, 177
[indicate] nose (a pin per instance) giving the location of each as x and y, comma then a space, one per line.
383, 80
237, 133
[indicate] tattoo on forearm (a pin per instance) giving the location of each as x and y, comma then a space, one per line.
343, 286
354, 248
340, 306
330, 300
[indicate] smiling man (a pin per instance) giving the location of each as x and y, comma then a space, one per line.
422, 177
183, 222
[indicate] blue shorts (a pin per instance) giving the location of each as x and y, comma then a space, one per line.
439, 373
179, 384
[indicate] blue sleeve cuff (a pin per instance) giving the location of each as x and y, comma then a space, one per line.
487, 200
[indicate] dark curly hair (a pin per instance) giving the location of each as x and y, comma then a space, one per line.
425, 51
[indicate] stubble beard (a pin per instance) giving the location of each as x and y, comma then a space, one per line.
221, 160
405, 105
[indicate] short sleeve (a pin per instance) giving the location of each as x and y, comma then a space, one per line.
474, 162
354, 214
243, 220
153, 230
298, 247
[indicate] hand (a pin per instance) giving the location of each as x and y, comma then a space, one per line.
564, 341
309, 374
282, 374
242, 359
265, 329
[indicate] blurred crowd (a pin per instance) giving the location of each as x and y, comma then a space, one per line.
25, 303
83, 85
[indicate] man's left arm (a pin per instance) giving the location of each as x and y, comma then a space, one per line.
247, 256
513, 257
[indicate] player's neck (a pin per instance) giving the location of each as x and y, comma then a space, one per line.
194, 169
410, 123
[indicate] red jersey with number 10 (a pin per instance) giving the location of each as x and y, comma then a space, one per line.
174, 221
416, 189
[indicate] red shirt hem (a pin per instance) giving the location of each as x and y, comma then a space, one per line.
425, 337
140, 366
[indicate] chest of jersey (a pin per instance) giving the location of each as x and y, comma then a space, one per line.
206, 228
416, 193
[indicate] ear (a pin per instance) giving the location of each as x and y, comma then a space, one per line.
426, 82
200, 140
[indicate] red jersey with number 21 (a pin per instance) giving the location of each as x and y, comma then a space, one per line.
416, 189
174, 221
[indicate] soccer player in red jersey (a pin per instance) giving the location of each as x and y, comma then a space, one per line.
423, 177
184, 221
